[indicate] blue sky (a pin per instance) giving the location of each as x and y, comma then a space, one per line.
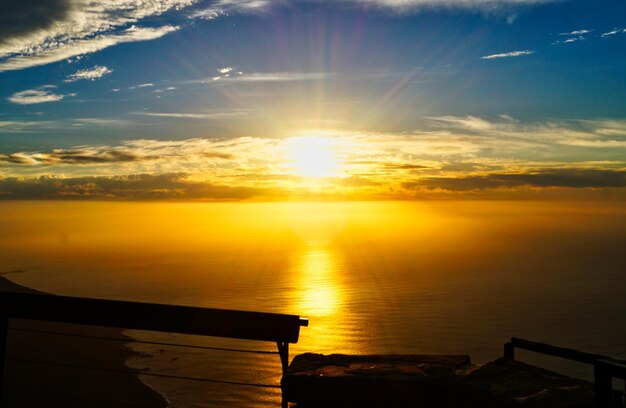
487, 88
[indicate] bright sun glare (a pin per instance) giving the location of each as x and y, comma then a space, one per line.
312, 156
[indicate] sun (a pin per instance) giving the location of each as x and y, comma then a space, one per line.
312, 156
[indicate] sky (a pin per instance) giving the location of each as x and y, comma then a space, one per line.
312, 99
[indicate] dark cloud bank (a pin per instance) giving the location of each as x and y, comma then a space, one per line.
171, 186
569, 178
19, 18
93, 156
177, 186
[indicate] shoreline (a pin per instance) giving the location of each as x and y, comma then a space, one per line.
36, 385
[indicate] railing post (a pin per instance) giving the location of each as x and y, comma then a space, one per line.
509, 351
283, 352
4, 327
603, 384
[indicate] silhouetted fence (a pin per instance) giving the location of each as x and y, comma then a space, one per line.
281, 329
605, 368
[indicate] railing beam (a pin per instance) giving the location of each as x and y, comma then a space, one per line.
237, 324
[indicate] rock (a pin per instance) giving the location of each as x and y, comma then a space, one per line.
316, 380
507, 383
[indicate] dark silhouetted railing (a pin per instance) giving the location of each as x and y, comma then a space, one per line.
281, 329
605, 368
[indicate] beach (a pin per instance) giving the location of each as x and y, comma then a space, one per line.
28, 384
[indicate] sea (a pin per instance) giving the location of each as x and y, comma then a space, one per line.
397, 277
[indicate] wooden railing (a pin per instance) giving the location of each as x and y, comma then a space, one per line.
605, 368
281, 329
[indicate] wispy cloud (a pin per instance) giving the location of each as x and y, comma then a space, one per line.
615, 31
179, 115
89, 74
573, 39
482, 4
573, 36
508, 54
225, 7
38, 32
169, 88
21, 126
73, 156
144, 85
469, 122
577, 32
226, 72
102, 121
569, 40
240, 77
135, 151
42, 55
40, 95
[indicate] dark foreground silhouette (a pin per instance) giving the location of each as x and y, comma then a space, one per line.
35, 385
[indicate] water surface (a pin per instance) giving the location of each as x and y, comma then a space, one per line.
372, 277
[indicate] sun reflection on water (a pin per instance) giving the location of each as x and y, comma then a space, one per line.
316, 269
321, 293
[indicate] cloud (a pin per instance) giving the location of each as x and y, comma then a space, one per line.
89, 74
468, 122
507, 133
577, 32
55, 51
241, 77
177, 115
72, 156
33, 96
615, 31
146, 85
574, 36
478, 155
508, 54
471, 4
39, 32
569, 40
225, 7
20, 126
128, 152
168, 186
564, 177
29, 26
169, 88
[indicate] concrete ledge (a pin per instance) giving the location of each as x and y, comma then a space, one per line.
507, 383
316, 380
